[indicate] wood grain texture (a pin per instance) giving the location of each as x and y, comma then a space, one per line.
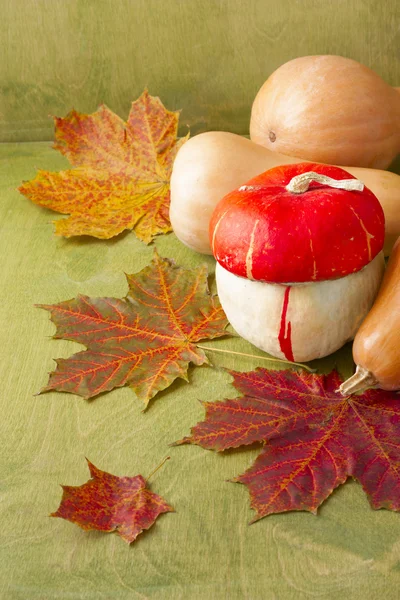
204, 551
207, 57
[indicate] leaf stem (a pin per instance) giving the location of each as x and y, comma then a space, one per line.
273, 359
157, 468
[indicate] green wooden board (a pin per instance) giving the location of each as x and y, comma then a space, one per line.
208, 57
205, 550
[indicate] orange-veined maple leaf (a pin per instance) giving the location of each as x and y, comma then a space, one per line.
110, 503
121, 179
145, 340
314, 439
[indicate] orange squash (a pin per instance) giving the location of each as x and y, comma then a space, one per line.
279, 246
376, 349
328, 109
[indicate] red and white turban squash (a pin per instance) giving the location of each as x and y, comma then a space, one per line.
299, 253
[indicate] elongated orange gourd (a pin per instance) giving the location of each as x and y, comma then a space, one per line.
376, 348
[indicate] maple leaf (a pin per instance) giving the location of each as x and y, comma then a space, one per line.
314, 439
110, 503
145, 340
121, 179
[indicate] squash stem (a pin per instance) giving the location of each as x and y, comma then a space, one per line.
273, 359
359, 382
300, 183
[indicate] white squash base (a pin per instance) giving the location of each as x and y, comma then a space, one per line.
323, 316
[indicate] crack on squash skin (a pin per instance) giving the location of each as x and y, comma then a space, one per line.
215, 232
249, 255
314, 275
368, 235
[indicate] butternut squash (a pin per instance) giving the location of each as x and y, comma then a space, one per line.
376, 348
328, 109
212, 164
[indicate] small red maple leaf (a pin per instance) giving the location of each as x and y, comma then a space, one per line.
110, 503
314, 439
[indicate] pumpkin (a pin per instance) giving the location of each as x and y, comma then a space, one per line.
299, 259
328, 109
212, 164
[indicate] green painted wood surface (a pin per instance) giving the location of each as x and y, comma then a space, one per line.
208, 57
206, 550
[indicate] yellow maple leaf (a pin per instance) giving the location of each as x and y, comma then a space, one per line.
121, 179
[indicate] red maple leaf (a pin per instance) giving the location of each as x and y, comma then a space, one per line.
145, 340
314, 439
110, 503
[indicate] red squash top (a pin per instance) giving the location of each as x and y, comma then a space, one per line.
264, 232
